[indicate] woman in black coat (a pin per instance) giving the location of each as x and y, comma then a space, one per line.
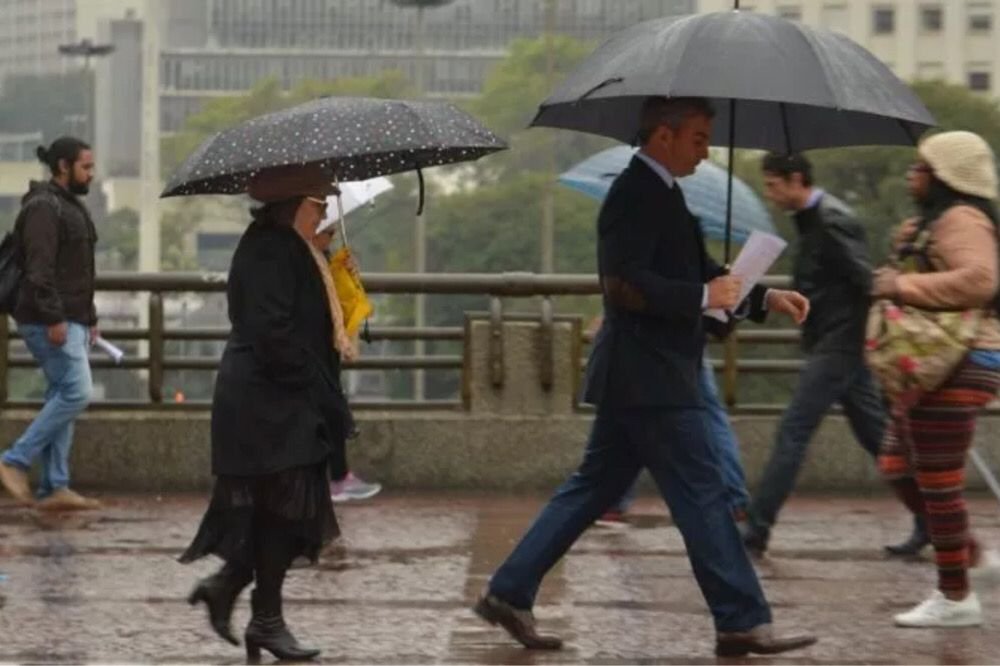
278, 415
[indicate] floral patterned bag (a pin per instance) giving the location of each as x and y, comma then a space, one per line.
910, 350
913, 351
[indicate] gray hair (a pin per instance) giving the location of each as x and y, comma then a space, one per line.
670, 111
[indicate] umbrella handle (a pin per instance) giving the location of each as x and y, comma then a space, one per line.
420, 181
340, 213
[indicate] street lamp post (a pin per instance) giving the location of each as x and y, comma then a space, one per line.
420, 223
86, 49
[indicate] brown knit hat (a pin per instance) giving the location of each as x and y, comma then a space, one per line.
288, 182
964, 161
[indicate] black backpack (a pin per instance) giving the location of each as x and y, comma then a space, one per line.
10, 263
10, 273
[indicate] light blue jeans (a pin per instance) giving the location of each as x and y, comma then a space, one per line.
50, 435
723, 441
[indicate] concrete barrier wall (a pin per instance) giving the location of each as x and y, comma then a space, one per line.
519, 431
153, 451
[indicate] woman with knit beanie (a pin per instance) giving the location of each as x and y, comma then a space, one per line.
953, 246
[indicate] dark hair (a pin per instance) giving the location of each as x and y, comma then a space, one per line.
64, 148
279, 213
786, 165
670, 111
941, 196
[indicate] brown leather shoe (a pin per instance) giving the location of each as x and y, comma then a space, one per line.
65, 499
759, 640
520, 624
15, 480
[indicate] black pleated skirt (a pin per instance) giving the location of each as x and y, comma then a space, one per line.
295, 501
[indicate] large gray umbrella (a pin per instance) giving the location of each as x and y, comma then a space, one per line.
797, 87
777, 85
354, 138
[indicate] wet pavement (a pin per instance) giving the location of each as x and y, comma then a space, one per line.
105, 587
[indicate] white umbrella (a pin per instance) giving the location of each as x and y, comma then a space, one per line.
353, 195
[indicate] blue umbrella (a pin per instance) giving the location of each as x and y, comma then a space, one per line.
704, 190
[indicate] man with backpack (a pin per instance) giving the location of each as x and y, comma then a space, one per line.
55, 313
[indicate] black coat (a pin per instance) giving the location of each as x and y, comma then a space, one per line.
832, 269
56, 240
278, 401
653, 269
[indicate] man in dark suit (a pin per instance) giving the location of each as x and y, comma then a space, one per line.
642, 375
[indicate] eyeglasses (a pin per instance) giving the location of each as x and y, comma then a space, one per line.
920, 167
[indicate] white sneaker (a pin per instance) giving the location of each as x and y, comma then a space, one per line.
353, 488
986, 574
940, 611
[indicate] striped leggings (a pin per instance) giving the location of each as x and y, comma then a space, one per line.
923, 457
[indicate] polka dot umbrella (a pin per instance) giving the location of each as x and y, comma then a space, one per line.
353, 138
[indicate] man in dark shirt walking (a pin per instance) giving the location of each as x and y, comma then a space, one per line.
832, 269
56, 316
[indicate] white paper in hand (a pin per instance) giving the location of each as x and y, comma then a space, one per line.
757, 256
114, 352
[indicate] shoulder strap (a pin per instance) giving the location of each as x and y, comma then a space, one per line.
35, 200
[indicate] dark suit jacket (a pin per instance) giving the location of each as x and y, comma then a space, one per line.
653, 268
278, 401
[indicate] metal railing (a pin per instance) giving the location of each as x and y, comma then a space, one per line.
156, 362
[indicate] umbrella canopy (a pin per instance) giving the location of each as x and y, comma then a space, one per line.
797, 87
704, 190
353, 138
352, 196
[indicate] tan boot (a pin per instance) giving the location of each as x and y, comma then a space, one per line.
15, 481
65, 499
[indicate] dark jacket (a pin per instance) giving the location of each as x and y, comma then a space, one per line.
653, 268
833, 270
278, 401
55, 240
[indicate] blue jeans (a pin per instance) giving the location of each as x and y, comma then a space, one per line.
50, 435
723, 440
673, 444
826, 378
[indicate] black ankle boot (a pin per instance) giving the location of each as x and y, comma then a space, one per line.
267, 630
219, 592
912, 546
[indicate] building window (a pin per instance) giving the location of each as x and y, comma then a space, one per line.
884, 21
931, 18
980, 18
979, 81
790, 12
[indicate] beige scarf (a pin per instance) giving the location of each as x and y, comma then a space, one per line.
345, 346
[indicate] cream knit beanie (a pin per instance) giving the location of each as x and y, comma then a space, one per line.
963, 160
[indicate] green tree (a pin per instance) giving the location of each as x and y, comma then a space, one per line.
511, 95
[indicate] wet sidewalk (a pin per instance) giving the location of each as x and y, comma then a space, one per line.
105, 587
